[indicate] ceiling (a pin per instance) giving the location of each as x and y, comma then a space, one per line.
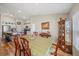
26, 10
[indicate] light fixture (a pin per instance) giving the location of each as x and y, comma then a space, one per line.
19, 11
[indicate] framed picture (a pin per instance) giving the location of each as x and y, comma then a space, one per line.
45, 25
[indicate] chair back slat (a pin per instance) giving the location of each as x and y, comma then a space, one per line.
26, 49
17, 46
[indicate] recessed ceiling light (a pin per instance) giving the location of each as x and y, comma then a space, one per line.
19, 11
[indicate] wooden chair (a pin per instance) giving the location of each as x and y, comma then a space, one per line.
25, 45
17, 46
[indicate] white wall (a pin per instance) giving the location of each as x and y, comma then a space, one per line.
74, 10
53, 24
76, 30
75, 17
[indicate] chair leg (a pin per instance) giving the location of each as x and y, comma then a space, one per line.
16, 52
20, 52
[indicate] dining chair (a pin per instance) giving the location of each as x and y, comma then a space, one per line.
25, 45
17, 46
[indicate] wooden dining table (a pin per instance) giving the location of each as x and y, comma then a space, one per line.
39, 46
